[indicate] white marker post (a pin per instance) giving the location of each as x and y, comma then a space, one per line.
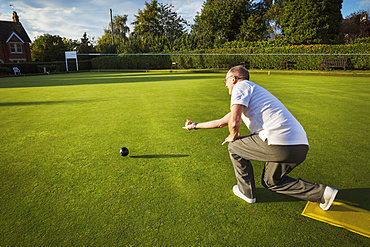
71, 55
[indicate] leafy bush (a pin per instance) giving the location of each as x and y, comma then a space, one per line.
38, 67
131, 62
49, 68
107, 62
5, 70
25, 68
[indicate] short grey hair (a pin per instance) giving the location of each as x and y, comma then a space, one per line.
240, 72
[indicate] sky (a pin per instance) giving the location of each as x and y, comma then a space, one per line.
72, 18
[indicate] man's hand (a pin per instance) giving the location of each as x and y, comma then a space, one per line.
189, 125
229, 139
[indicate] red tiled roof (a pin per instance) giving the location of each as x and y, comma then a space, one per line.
8, 27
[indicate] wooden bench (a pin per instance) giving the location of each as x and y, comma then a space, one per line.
334, 63
288, 65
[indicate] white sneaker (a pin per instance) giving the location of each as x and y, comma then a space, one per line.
239, 194
328, 197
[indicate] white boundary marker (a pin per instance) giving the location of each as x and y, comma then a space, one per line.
71, 55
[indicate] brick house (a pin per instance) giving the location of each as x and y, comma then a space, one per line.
14, 42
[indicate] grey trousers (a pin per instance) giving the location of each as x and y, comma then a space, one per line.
280, 160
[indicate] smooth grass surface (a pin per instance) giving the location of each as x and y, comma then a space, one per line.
64, 183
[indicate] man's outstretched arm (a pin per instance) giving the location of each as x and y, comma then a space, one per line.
219, 123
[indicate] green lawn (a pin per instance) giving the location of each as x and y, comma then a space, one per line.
64, 183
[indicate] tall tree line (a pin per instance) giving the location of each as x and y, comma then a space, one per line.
158, 28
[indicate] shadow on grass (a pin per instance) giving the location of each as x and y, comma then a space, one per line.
359, 198
157, 156
106, 78
41, 103
264, 195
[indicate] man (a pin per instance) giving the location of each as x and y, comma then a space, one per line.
277, 138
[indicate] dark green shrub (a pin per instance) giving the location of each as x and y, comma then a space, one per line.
49, 68
132, 62
5, 70
306, 57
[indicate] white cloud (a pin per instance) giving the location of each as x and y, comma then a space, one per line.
56, 18
187, 9
365, 4
71, 18
60, 21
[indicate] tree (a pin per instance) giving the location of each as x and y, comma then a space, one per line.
228, 20
356, 25
105, 43
157, 27
120, 28
48, 48
275, 10
147, 20
256, 26
86, 45
185, 43
172, 25
70, 44
120, 31
311, 21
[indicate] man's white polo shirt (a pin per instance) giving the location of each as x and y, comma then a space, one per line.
266, 116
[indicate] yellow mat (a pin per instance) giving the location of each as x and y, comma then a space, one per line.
351, 218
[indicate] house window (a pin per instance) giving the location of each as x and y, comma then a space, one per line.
16, 48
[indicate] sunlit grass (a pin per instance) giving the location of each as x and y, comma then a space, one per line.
63, 182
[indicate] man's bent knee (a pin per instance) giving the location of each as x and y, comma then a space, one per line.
231, 148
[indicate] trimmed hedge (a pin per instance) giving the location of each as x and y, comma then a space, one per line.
272, 59
38, 67
310, 58
132, 62
5, 70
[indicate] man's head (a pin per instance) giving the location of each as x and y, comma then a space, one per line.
235, 74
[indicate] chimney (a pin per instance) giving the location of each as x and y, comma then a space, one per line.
15, 17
